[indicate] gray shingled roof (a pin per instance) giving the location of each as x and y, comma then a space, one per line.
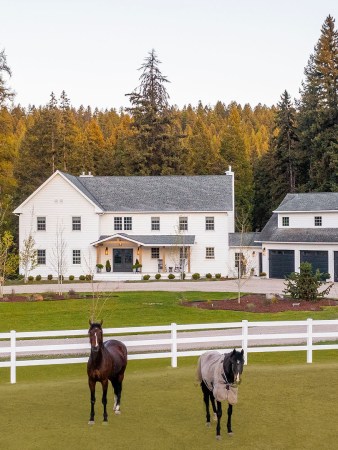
271, 233
313, 201
158, 193
164, 239
244, 239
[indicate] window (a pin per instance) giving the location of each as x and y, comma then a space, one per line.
155, 224
76, 223
155, 253
41, 224
318, 221
76, 256
210, 253
237, 256
210, 223
285, 221
183, 252
128, 224
117, 223
183, 222
41, 257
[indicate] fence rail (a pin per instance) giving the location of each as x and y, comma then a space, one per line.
167, 341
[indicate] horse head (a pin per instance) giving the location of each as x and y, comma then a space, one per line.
236, 361
95, 335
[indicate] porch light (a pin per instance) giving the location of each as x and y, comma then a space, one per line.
106, 251
264, 251
253, 253
138, 250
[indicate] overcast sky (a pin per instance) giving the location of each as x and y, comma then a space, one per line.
231, 50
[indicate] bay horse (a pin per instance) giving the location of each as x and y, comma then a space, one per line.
107, 362
219, 375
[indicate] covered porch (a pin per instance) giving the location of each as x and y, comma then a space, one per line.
123, 256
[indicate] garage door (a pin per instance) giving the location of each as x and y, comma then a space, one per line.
318, 259
281, 263
335, 266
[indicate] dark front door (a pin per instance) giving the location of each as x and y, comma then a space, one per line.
122, 260
318, 259
335, 266
281, 263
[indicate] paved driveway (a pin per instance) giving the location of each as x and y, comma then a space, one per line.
255, 285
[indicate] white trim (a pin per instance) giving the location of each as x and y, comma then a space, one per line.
57, 172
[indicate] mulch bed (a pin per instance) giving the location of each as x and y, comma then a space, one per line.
259, 303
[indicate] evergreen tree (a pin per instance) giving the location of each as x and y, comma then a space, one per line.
318, 114
154, 146
285, 149
5, 92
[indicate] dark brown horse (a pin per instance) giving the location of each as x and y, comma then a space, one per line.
107, 362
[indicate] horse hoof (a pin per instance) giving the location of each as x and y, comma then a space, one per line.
91, 422
105, 422
215, 417
218, 438
207, 424
230, 433
117, 412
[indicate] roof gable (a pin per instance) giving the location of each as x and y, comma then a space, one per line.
307, 202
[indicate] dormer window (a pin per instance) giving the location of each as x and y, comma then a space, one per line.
286, 221
318, 221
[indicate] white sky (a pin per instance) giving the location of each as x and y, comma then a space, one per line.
231, 50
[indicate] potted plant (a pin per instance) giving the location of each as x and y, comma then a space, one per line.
108, 266
137, 266
99, 267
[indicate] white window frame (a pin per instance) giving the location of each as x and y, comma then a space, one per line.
76, 223
155, 224
210, 223
285, 221
41, 257
41, 222
127, 223
209, 252
318, 221
118, 222
76, 257
183, 223
155, 252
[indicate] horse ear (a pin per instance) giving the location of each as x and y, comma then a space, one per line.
242, 352
234, 352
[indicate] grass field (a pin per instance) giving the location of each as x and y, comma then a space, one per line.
133, 309
282, 405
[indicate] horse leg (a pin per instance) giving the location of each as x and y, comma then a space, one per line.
229, 419
117, 385
219, 416
206, 395
91, 384
104, 399
213, 404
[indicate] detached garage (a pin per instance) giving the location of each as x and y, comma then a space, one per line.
318, 259
281, 263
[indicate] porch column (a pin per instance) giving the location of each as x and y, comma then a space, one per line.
98, 254
163, 258
188, 259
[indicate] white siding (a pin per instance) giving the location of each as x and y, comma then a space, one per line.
306, 219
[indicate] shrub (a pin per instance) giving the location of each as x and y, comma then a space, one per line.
71, 291
146, 277
30, 278
218, 275
196, 276
88, 277
82, 277
108, 266
71, 277
49, 277
171, 276
208, 275
305, 284
157, 276
38, 278
262, 274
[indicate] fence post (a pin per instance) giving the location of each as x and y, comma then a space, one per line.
13, 357
173, 345
245, 340
309, 341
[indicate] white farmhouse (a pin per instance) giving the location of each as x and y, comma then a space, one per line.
304, 227
166, 223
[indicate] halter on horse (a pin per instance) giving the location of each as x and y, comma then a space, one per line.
217, 374
107, 362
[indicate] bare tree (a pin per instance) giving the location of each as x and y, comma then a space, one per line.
178, 252
58, 261
28, 256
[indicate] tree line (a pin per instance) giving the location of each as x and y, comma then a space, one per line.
290, 147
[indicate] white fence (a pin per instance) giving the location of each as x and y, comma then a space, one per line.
170, 341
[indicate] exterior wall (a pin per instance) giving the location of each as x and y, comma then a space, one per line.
330, 248
58, 201
251, 255
306, 219
169, 222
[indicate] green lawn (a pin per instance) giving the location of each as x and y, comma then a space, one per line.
132, 309
282, 405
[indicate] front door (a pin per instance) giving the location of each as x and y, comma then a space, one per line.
122, 260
